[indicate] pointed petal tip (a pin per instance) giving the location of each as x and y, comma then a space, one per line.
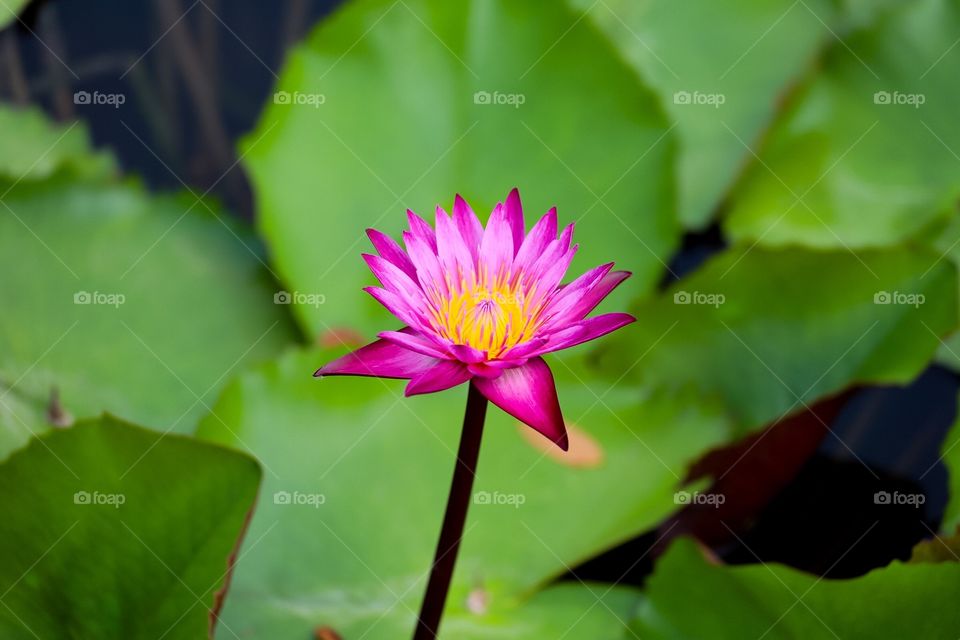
318, 373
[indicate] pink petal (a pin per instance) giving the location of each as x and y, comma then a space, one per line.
571, 298
514, 213
381, 359
420, 228
528, 394
467, 354
468, 225
589, 300
415, 342
452, 250
442, 375
537, 241
485, 370
586, 330
399, 307
394, 279
523, 350
429, 271
496, 247
391, 250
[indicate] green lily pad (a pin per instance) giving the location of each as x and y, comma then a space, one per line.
770, 331
33, 148
721, 69
103, 536
120, 301
688, 597
475, 100
867, 154
357, 479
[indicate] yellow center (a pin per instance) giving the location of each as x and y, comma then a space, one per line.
490, 314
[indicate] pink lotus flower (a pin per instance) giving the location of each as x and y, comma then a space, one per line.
483, 305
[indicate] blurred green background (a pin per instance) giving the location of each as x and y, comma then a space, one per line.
767, 453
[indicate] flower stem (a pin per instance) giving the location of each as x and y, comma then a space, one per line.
454, 518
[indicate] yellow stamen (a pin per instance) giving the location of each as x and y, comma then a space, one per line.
487, 313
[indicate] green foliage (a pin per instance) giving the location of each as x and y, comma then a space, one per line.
122, 301
688, 597
100, 539
772, 331
866, 155
381, 464
588, 137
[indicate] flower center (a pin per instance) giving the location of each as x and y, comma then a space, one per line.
489, 314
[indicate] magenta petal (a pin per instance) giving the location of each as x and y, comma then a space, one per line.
467, 354
496, 247
589, 301
420, 228
528, 394
414, 342
381, 359
468, 225
455, 257
390, 250
541, 235
586, 330
424, 258
442, 375
514, 213
398, 306
394, 279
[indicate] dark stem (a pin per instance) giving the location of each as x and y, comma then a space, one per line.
453, 520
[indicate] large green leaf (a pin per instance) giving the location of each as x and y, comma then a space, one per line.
33, 148
868, 153
356, 559
689, 597
103, 535
428, 77
139, 305
770, 331
720, 67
